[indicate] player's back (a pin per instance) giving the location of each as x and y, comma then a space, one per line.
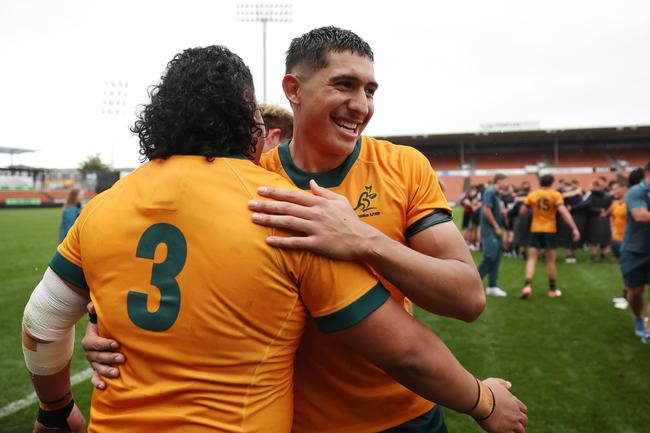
544, 203
203, 308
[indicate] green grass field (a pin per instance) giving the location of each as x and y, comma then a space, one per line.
574, 360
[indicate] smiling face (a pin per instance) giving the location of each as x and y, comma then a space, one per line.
332, 105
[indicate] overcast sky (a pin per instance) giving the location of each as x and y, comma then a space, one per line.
442, 66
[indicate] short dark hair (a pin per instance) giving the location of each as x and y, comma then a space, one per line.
498, 177
203, 105
647, 167
635, 177
546, 180
311, 49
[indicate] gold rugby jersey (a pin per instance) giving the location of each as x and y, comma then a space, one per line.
394, 189
544, 203
619, 218
208, 315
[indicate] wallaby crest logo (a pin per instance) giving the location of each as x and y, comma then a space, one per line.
364, 204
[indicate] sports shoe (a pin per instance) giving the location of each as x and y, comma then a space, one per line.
619, 299
621, 305
639, 328
570, 260
646, 338
554, 293
496, 291
525, 292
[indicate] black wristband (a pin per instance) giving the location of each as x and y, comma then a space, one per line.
92, 318
478, 397
494, 405
56, 418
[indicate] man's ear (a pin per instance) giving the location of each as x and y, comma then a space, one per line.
274, 134
291, 86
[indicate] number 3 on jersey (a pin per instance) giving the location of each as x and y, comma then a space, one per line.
163, 277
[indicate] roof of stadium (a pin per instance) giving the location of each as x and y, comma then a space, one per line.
634, 136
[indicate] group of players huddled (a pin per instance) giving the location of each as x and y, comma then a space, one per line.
611, 217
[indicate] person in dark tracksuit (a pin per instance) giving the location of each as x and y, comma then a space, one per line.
491, 226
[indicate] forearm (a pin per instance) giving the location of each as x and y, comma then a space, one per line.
447, 287
641, 215
53, 390
433, 372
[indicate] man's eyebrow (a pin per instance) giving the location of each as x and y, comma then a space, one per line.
343, 77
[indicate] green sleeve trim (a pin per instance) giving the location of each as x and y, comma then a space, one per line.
355, 312
326, 179
67, 270
436, 217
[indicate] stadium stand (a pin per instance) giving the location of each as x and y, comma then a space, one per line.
444, 162
507, 160
580, 158
634, 158
462, 159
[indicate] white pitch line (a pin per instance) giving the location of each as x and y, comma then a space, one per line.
31, 398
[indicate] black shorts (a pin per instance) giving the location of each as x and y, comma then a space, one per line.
466, 218
475, 220
543, 240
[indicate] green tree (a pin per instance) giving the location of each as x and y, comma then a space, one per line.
93, 164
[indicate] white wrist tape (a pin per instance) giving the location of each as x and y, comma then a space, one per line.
50, 315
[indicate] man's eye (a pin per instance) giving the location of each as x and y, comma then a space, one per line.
346, 85
370, 92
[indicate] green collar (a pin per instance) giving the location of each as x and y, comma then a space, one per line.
326, 179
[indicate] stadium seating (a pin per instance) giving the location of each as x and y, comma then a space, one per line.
507, 160
635, 158
587, 158
444, 162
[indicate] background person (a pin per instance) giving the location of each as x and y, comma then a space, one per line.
492, 235
545, 204
279, 125
70, 212
635, 251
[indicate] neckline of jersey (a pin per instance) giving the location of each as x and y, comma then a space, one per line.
327, 179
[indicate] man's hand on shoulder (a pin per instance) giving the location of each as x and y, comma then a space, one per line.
330, 226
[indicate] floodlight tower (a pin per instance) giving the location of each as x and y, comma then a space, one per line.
264, 13
113, 106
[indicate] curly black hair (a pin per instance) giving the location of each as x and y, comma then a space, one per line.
204, 105
311, 49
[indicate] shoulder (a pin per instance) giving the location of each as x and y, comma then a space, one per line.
386, 150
